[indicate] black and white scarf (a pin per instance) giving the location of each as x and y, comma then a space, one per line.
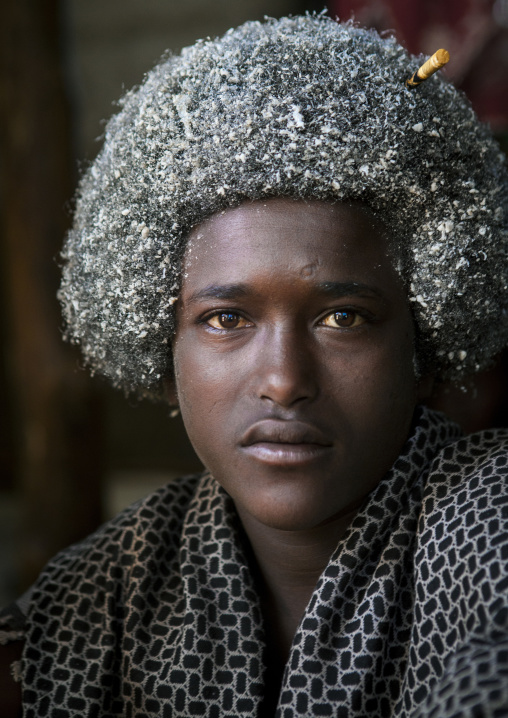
156, 615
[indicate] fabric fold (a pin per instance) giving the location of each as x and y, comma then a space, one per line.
157, 614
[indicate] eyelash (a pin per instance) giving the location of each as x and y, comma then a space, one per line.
206, 320
359, 318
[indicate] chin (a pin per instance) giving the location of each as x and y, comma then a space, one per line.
290, 510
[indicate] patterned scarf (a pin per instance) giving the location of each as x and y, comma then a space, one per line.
156, 615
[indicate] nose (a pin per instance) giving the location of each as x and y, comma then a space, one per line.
286, 369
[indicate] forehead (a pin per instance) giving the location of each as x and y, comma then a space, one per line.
290, 239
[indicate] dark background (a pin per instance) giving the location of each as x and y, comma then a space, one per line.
72, 450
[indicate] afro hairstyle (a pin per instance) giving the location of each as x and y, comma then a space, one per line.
300, 107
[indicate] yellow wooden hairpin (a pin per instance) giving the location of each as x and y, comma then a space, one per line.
433, 64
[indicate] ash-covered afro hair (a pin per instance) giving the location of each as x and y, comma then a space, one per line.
300, 107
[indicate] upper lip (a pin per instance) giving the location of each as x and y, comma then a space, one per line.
276, 431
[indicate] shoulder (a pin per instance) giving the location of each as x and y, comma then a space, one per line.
145, 537
463, 525
471, 471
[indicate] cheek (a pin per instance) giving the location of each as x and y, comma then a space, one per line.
202, 396
197, 376
398, 371
377, 385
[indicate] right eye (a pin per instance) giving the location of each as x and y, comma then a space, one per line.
226, 320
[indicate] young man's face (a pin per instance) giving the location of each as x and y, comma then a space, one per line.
294, 357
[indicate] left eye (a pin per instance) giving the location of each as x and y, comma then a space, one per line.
343, 319
226, 320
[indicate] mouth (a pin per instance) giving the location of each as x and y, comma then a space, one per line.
284, 443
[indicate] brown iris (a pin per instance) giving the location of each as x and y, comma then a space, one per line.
226, 320
343, 319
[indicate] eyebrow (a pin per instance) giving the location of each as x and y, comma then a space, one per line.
236, 291
219, 291
341, 289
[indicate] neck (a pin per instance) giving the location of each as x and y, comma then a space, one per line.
287, 566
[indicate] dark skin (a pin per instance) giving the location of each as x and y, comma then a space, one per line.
294, 372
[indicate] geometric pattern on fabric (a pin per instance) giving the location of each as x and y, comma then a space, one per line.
423, 569
156, 615
474, 683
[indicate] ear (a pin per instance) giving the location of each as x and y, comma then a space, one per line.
425, 387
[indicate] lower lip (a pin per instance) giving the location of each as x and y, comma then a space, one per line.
286, 454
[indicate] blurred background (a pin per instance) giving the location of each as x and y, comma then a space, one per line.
73, 452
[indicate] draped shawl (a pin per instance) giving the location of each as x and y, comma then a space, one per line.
156, 615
